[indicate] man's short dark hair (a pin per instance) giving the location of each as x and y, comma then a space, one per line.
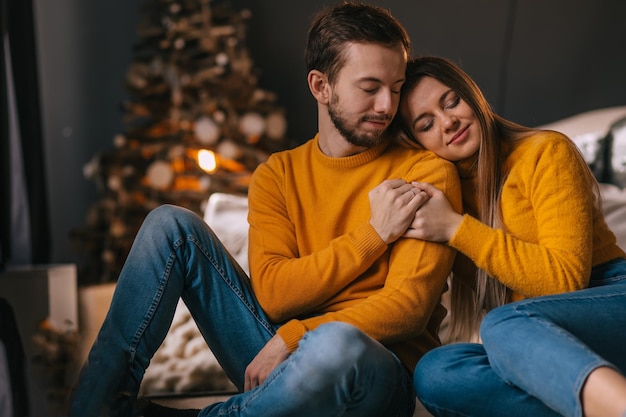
334, 27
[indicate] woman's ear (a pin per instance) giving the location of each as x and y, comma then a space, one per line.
319, 86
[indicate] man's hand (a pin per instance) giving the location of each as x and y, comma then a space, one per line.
436, 220
392, 206
273, 353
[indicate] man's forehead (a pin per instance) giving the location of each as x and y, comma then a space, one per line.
375, 61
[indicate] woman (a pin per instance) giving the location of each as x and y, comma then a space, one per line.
536, 262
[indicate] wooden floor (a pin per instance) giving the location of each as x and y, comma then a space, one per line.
203, 401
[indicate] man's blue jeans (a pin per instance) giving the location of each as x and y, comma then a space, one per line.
536, 354
336, 371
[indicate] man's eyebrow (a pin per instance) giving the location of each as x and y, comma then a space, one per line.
378, 80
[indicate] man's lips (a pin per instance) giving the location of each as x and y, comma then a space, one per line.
379, 123
460, 135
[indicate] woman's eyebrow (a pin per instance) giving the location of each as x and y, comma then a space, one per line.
441, 101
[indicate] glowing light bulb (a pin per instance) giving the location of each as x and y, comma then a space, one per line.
207, 160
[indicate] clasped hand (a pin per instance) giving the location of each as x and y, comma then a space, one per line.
436, 220
415, 210
392, 205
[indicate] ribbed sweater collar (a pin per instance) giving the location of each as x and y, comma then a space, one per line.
347, 162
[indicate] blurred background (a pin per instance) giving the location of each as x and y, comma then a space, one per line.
537, 61
108, 106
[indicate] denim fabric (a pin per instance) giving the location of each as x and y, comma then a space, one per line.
536, 354
174, 255
336, 371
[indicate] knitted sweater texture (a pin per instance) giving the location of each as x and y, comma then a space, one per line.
314, 257
553, 230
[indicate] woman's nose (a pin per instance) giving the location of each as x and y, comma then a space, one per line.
450, 121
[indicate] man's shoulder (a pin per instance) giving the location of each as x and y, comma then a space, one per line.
299, 151
279, 163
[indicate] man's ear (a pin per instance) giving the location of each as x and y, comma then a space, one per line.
319, 86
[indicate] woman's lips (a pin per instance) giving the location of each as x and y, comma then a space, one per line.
460, 136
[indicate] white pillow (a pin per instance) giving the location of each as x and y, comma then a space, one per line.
588, 128
227, 215
614, 208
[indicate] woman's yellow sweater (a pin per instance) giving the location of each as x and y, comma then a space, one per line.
554, 232
314, 257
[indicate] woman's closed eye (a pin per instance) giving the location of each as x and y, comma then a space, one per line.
452, 103
424, 127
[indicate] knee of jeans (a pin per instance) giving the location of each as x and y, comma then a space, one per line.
429, 387
165, 213
499, 322
169, 217
338, 344
444, 376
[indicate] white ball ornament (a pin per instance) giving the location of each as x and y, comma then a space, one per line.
114, 182
276, 126
252, 124
221, 59
228, 149
219, 116
206, 130
160, 175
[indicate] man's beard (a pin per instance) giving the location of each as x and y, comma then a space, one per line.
367, 140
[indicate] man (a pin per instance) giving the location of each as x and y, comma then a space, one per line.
338, 307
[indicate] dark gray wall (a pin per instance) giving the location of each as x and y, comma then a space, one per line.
537, 61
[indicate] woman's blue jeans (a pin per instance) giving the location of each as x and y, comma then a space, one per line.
336, 370
536, 354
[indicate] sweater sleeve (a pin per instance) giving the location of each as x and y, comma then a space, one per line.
553, 197
415, 280
287, 283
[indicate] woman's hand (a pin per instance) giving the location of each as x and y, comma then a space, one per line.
392, 206
435, 220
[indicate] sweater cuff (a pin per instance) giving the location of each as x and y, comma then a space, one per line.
367, 242
291, 333
465, 234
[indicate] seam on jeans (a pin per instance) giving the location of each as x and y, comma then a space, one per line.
430, 406
155, 301
580, 380
229, 282
584, 373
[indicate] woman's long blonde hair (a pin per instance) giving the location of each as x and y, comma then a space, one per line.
470, 302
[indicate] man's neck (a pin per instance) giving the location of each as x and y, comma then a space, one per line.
338, 147
332, 143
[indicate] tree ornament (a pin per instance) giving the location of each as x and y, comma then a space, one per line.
159, 175
207, 131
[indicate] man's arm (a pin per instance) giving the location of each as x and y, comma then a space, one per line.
416, 276
292, 275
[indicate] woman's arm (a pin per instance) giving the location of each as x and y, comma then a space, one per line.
547, 209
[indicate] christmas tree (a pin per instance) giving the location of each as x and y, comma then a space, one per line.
196, 122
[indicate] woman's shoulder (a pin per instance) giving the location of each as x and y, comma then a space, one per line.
546, 152
540, 142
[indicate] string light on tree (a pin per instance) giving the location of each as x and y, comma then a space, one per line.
196, 122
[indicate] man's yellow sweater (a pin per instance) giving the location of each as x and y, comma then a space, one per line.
314, 257
554, 233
